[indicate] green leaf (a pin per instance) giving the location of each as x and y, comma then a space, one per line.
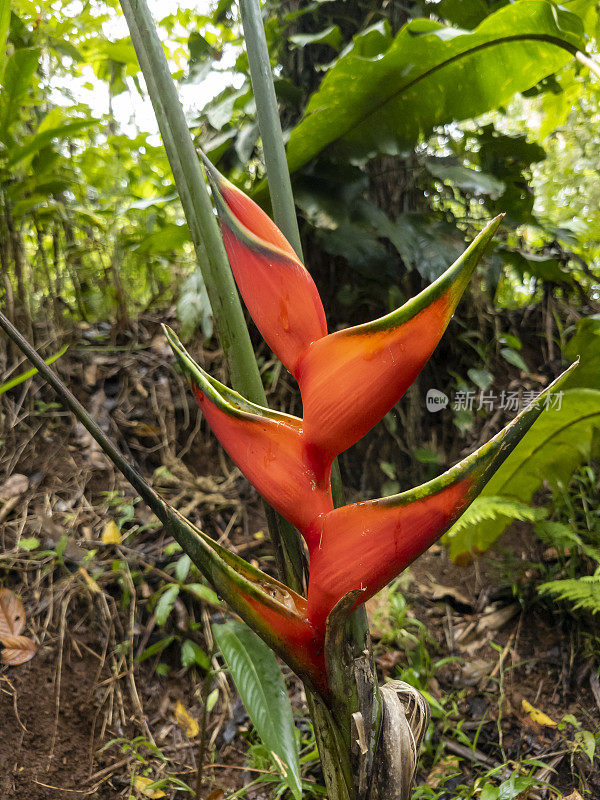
30, 372
202, 592
514, 358
191, 653
587, 741
155, 648
165, 603
18, 79
466, 178
35, 143
560, 440
585, 344
331, 36
583, 592
182, 567
4, 22
490, 792
165, 240
432, 75
28, 543
480, 377
476, 530
259, 681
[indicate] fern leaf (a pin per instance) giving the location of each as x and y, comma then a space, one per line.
477, 529
582, 592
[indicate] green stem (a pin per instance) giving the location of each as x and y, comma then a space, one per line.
212, 259
280, 187
208, 244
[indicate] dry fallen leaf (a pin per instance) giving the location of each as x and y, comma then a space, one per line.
497, 618
144, 785
438, 592
111, 533
187, 722
12, 614
14, 486
574, 796
17, 650
537, 716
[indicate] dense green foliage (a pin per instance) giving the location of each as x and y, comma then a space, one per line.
405, 132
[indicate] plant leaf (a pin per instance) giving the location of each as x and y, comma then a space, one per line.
165, 603
18, 379
12, 614
428, 77
4, 23
18, 77
17, 650
259, 681
557, 444
467, 537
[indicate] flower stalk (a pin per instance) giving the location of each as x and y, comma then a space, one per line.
210, 253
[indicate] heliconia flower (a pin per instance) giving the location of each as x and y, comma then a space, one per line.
272, 610
350, 379
277, 288
266, 445
365, 545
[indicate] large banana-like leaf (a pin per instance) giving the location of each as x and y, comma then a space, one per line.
431, 75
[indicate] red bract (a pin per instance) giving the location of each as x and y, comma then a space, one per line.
348, 381
267, 446
277, 288
365, 545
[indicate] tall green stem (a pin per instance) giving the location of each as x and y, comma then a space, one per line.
280, 187
212, 259
332, 731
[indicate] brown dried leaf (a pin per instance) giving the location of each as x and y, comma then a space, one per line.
17, 650
14, 486
451, 594
12, 614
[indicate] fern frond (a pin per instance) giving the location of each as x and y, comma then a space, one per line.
468, 536
582, 592
560, 535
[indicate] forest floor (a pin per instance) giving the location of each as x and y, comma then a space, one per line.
96, 714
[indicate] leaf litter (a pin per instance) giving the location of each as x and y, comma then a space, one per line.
17, 649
